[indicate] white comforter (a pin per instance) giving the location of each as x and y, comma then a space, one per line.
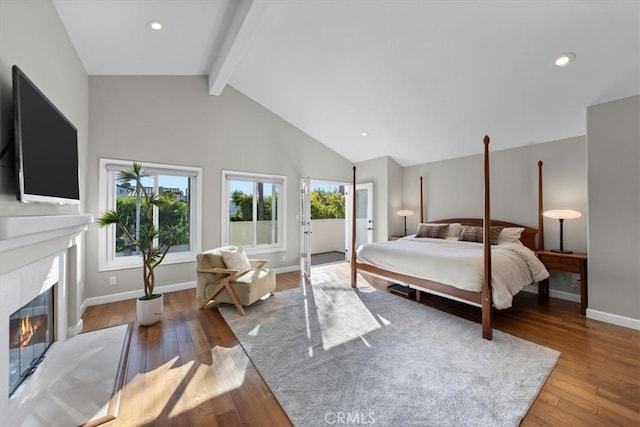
458, 264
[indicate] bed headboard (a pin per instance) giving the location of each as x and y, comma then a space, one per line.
527, 238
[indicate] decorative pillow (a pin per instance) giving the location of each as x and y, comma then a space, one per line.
236, 260
510, 234
453, 230
474, 234
435, 231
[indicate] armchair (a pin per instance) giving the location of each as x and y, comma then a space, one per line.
241, 288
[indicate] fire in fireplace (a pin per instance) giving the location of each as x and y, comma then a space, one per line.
30, 336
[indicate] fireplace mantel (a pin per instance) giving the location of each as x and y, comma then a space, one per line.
19, 231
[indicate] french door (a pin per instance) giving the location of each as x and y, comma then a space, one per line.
363, 199
305, 226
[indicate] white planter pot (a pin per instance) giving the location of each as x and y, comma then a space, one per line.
149, 311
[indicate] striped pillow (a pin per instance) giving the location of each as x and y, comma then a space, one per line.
475, 234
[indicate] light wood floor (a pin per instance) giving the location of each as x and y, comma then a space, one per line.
190, 370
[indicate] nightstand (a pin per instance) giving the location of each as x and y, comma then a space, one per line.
570, 263
391, 238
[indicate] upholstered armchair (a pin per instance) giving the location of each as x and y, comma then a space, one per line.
239, 280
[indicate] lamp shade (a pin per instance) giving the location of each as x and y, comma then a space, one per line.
404, 212
562, 214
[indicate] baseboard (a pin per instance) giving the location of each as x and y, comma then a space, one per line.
287, 269
83, 307
567, 296
74, 330
614, 319
137, 294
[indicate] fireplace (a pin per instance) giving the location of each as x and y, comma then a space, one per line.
40, 254
31, 333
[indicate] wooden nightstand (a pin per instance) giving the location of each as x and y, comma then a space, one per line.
391, 238
570, 263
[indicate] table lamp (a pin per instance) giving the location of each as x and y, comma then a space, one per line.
561, 215
405, 213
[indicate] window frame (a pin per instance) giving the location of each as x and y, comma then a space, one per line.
228, 175
107, 261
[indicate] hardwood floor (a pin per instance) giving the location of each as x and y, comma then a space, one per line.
190, 370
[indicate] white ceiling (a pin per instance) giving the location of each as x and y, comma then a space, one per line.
426, 79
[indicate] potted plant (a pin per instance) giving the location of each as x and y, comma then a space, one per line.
143, 236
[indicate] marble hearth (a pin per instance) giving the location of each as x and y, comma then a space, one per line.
38, 252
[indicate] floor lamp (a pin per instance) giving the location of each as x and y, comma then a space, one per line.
561, 215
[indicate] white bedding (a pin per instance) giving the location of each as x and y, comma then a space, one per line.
458, 264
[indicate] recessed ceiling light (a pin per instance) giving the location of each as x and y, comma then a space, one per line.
154, 25
565, 59
363, 133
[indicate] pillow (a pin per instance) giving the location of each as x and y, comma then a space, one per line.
436, 231
510, 234
474, 234
236, 260
453, 230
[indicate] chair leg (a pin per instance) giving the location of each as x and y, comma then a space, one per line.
234, 298
212, 295
219, 287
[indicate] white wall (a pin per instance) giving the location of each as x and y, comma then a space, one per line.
174, 120
613, 135
454, 189
395, 223
327, 235
33, 37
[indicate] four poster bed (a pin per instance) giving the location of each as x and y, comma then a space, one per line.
472, 270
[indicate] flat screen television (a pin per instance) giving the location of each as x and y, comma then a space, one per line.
46, 147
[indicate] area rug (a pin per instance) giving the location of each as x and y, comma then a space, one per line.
78, 383
334, 355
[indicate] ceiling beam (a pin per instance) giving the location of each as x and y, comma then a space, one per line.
243, 25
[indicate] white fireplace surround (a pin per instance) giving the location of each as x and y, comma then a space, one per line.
20, 231
37, 253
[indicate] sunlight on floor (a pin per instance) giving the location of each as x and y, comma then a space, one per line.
225, 372
342, 315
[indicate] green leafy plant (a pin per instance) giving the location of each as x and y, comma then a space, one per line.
142, 235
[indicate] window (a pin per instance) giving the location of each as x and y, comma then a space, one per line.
181, 186
253, 207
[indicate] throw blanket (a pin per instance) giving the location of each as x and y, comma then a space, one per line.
459, 264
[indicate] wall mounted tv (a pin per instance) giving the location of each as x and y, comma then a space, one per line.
46, 146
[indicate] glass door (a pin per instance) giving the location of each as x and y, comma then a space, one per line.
305, 226
364, 215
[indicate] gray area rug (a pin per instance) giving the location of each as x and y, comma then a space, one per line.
334, 355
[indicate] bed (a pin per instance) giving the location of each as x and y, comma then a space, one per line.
475, 273
456, 263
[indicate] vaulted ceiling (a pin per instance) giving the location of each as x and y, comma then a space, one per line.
424, 79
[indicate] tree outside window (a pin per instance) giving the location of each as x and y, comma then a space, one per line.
179, 213
254, 205
171, 217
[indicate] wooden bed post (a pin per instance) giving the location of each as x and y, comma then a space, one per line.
487, 329
540, 209
421, 203
354, 271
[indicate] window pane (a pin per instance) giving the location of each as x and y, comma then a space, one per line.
128, 202
240, 213
267, 208
254, 210
174, 212
361, 203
